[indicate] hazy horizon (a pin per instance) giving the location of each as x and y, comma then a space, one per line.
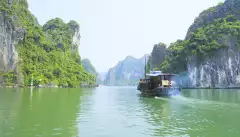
112, 30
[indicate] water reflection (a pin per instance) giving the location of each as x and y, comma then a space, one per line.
10, 103
194, 113
220, 95
162, 115
117, 111
113, 112
39, 113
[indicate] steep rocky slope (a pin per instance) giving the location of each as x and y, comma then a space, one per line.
221, 68
48, 54
128, 71
158, 55
86, 63
209, 56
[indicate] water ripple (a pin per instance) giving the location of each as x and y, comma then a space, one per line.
113, 111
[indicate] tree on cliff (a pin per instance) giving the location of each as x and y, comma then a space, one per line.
213, 37
175, 61
47, 53
86, 63
158, 55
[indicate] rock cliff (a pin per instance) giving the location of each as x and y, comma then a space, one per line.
86, 63
89, 67
10, 34
222, 68
167, 59
220, 11
45, 54
157, 56
209, 56
128, 71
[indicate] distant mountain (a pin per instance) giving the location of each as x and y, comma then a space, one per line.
102, 75
128, 71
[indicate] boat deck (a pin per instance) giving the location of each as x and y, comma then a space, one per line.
161, 91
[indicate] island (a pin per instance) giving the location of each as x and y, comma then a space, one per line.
209, 55
45, 55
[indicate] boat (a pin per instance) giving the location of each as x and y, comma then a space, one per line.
157, 83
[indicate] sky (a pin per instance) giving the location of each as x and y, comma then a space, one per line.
113, 29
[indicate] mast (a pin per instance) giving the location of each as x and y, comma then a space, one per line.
145, 68
150, 63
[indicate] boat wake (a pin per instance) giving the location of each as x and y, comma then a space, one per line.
185, 100
162, 98
173, 97
180, 97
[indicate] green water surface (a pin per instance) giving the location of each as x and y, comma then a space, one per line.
118, 112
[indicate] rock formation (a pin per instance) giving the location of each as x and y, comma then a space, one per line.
222, 69
158, 55
126, 72
210, 54
42, 54
10, 34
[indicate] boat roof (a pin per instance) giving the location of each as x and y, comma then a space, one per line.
161, 74
155, 72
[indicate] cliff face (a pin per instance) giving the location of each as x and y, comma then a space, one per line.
210, 54
213, 13
158, 55
76, 35
89, 67
86, 63
9, 36
48, 54
128, 71
222, 68
168, 60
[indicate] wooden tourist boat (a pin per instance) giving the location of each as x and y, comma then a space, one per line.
158, 84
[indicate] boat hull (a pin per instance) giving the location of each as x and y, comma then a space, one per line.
161, 91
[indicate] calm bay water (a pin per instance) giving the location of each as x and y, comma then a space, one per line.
117, 112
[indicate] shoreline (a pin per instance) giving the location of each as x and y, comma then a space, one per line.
96, 85
41, 86
210, 88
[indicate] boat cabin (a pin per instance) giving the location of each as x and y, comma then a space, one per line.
157, 79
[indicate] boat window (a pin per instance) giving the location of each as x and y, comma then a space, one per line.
165, 77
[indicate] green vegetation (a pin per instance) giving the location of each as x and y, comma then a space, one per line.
8, 78
203, 43
158, 55
175, 62
86, 63
213, 36
220, 3
202, 16
47, 53
210, 36
148, 65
